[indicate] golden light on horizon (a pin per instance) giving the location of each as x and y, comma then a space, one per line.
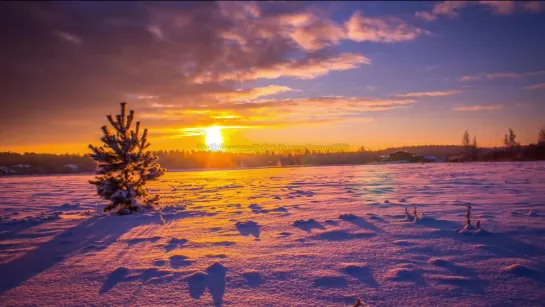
213, 139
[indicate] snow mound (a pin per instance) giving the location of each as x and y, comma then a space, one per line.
341, 235
177, 261
362, 272
472, 230
253, 278
32, 220
459, 281
404, 272
248, 228
330, 282
254, 206
308, 225
348, 217
68, 206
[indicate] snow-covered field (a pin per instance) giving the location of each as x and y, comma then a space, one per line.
310, 236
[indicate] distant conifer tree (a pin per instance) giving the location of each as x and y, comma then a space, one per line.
510, 140
466, 140
541, 137
122, 165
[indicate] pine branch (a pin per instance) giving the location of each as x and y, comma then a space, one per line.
130, 119
123, 111
111, 120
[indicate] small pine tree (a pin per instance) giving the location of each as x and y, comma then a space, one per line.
122, 165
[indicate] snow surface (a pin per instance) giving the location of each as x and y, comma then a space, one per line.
306, 236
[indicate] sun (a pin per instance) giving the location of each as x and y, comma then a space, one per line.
213, 138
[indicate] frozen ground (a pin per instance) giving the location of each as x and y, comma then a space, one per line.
315, 236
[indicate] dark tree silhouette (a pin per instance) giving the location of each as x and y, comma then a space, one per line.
474, 148
466, 142
541, 137
510, 140
122, 165
469, 148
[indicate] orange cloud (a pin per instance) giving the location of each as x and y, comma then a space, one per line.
360, 28
318, 35
478, 108
500, 7
427, 94
308, 69
243, 115
447, 8
310, 31
252, 93
452, 8
239, 9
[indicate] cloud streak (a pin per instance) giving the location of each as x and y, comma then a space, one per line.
500, 7
308, 68
386, 30
504, 75
452, 9
447, 8
272, 113
427, 94
478, 108
535, 86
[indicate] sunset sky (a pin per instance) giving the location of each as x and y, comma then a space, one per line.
376, 74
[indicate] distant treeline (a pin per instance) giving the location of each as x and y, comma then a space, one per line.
35, 163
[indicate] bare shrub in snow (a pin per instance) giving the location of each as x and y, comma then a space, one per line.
123, 167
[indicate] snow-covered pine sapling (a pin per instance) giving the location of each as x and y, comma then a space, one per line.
468, 215
123, 167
